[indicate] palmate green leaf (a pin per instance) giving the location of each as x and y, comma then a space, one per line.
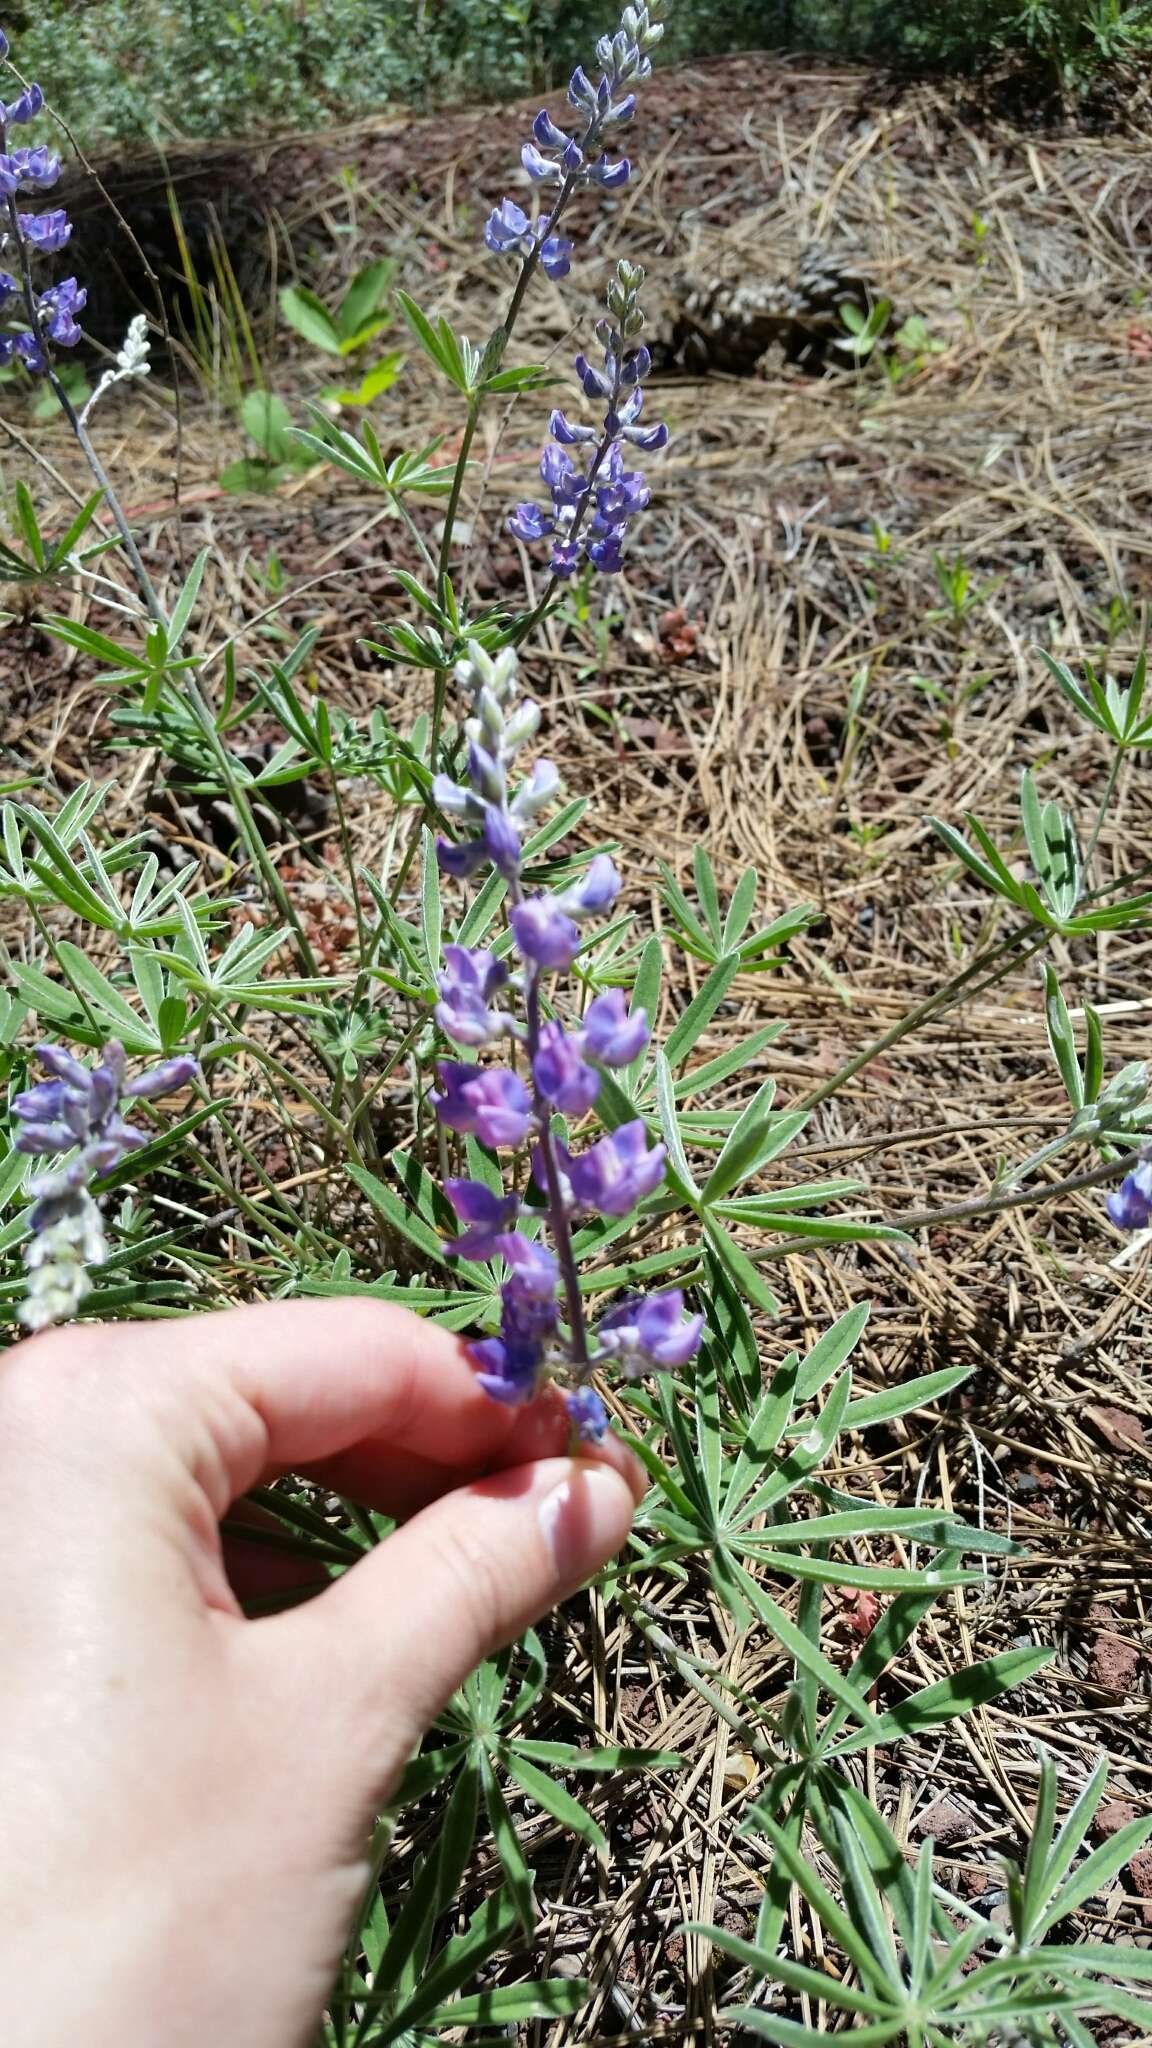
974, 1686
398, 1214
544, 1999
740, 1267
1060, 1037
567, 1756
735, 1061
363, 296
1092, 1876
507, 1844
431, 910
764, 1433
550, 1796
807, 1658
728, 1327
830, 1351
705, 880
670, 1130
797, 1976
458, 1960
806, 1454
689, 1028
431, 1891
743, 1148
740, 910
995, 876
903, 1400
821, 1229
792, 2034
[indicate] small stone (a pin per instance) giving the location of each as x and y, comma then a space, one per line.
1111, 1817
945, 1823
1114, 1664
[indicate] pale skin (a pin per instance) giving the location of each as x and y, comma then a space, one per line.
186, 1794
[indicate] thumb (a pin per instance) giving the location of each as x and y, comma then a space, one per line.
385, 1647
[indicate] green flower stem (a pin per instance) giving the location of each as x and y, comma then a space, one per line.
992, 1203
1105, 800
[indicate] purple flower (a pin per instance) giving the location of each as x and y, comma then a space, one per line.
163, 1079
611, 1034
543, 933
569, 433
501, 841
28, 170
596, 890
460, 861
59, 306
587, 1414
561, 1074
487, 1217
650, 1333
45, 232
612, 1176
555, 256
467, 986
26, 108
530, 522
77, 1112
491, 1102
507, 1372
508, 230
534, 1273
1130, 1205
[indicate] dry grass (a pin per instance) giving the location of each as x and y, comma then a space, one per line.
1023, 447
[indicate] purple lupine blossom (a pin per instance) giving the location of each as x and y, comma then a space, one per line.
562, 1074
1130, 1205
468, 984
490, 1102
587, 1414
596, 890
649, 1333
595, 498
509, 232
48, 318
487, 1217
613, 1175
543, 933
575, 162
613, 1034
608, 1178
78, 1112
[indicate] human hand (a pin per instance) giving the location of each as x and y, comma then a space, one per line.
186, 1795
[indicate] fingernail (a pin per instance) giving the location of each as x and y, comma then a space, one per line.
584, 1520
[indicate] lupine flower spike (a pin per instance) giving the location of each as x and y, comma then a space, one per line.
543, 1329
77, 1115
31, 321
575, 162
594, 494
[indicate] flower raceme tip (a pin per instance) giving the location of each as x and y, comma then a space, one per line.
77, 1115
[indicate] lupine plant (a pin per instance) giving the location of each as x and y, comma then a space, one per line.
551, 1180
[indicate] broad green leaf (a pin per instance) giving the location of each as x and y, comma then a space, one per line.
311, 319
